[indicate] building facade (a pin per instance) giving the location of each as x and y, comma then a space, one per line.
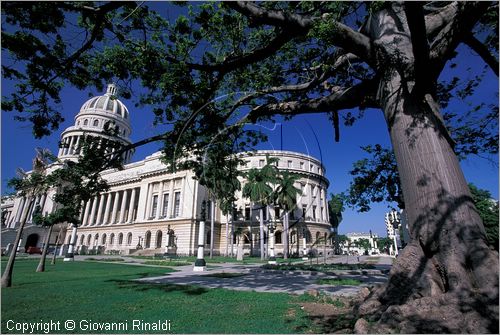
148, 210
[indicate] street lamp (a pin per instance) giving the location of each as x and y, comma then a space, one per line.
199, 264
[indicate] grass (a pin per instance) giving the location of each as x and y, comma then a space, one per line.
338, 281
105, 292
167, 263
220, 259
111, 259
317, 267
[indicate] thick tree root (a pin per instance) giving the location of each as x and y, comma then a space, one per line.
416, 300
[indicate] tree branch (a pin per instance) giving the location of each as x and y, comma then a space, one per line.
451, 35
341, 98
482, 51
345, 37
434, 22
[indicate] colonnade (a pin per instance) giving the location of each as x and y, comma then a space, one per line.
111, 208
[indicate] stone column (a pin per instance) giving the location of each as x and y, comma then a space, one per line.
71, 145
123, 206
115, 207
131, 206
26, 209
86, 213
171, 199
108, 208
92, 212
99, 211
304, 245
70, 254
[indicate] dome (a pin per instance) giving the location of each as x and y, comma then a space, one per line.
106, 103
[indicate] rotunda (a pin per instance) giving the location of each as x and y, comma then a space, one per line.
104, 117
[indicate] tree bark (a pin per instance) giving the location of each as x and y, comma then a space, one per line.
261, 232
447, 266
285, 235
41, 264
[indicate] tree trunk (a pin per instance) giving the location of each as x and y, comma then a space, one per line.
227, 235
285, 235
41, 264
53, 262
447, 266
9, 268
261, 232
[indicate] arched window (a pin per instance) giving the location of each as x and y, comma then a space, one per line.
147, 240
129, 238
82, 239
318, 235
103, 240
308, 236
96, 239
159, 236
246, 237
89, 238
326, 237
120, 239
96, 123
111, 239
277, 237
85, 122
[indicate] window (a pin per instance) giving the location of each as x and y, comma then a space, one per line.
277, 237
247, 213
129, 238
303, 189
82, 239
147, 240
85, 122
317, 236
207, 240
307, 235
103, 241
276, 212
289, 164
120, 239
302, 165
293, 237
311, 167
321, 213
314, 212
264, 213
261, 163
164, 211
159, 236
319, 170
154, 206
177, 203
304, 210
209, 210
78, 123
88, 239
96, 123
111, 239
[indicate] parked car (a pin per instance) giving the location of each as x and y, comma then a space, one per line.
34, 250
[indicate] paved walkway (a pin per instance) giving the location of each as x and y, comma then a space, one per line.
256, 279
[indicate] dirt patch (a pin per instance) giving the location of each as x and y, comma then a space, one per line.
330, 317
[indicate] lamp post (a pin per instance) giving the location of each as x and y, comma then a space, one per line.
271, 228
70, 256
200, 264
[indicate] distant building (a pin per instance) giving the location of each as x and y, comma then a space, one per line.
352, 247
396, 225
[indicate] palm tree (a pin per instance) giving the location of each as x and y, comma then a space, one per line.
286, 198
259, 191
28, 186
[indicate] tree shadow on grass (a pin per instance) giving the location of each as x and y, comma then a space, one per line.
166, 288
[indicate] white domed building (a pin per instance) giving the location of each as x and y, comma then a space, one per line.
149, 210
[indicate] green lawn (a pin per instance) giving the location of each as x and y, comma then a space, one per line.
338, 281
222, 259
106, 293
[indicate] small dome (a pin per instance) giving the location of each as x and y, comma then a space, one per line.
107, 103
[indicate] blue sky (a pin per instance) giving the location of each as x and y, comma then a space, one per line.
18, 143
